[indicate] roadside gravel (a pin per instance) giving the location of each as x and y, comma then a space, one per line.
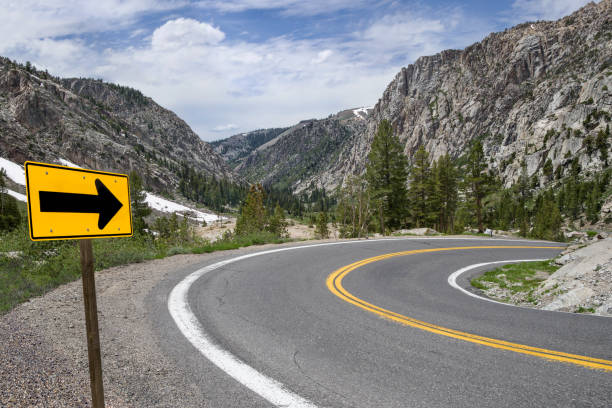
43, 350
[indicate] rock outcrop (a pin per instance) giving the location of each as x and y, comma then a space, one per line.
97, 125
536, 92
584, 282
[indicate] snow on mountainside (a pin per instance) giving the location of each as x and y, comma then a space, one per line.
13, 171
167, 206
16, 173
18, 196
362, 112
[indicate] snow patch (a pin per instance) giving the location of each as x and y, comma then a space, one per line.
362, 113
13, 171
18, 196
65, 162
167, 206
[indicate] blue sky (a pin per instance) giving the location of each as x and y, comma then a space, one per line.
232, 66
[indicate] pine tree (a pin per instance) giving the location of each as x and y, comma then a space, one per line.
446, 181
592, 204
505, 213
321, 230
477, 180
252, 216
277, 224
10, 217
547, 224
353, 209
2, 189
386, 175
548, 169
601, 142
420, 187
140, 208
522, 215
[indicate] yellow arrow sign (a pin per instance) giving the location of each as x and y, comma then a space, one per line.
73, 203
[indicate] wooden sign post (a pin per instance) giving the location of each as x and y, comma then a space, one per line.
91, 324
74, 203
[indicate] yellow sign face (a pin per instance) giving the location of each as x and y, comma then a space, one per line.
72, 203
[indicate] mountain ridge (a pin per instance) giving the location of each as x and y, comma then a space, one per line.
97, 125
295, 157
533, 93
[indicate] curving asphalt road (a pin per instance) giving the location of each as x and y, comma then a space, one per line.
276, 313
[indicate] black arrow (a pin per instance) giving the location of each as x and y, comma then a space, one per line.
104, 203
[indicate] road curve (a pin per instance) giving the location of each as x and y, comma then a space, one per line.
277, 314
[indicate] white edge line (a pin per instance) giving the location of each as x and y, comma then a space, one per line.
452, 280
268, 388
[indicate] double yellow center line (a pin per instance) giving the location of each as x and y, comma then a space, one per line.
334, 284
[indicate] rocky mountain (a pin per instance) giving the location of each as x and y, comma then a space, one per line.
539, 92
97, 125
300, 155
536, 92
235, 148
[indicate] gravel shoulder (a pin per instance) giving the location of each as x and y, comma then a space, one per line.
43, 345
43, 350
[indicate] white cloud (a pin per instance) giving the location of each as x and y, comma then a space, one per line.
24, 20
322, 56
532, 10
185, 32
408, 34
224, 128
287, 7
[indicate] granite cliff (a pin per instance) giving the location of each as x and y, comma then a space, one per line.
97, 125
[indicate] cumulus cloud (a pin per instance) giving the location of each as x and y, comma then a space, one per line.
532, 10
185, 32
23, 20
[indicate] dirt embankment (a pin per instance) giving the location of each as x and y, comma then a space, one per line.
215, 230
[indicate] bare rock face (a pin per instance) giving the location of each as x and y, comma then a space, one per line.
97, 125
534, 92
584, 281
